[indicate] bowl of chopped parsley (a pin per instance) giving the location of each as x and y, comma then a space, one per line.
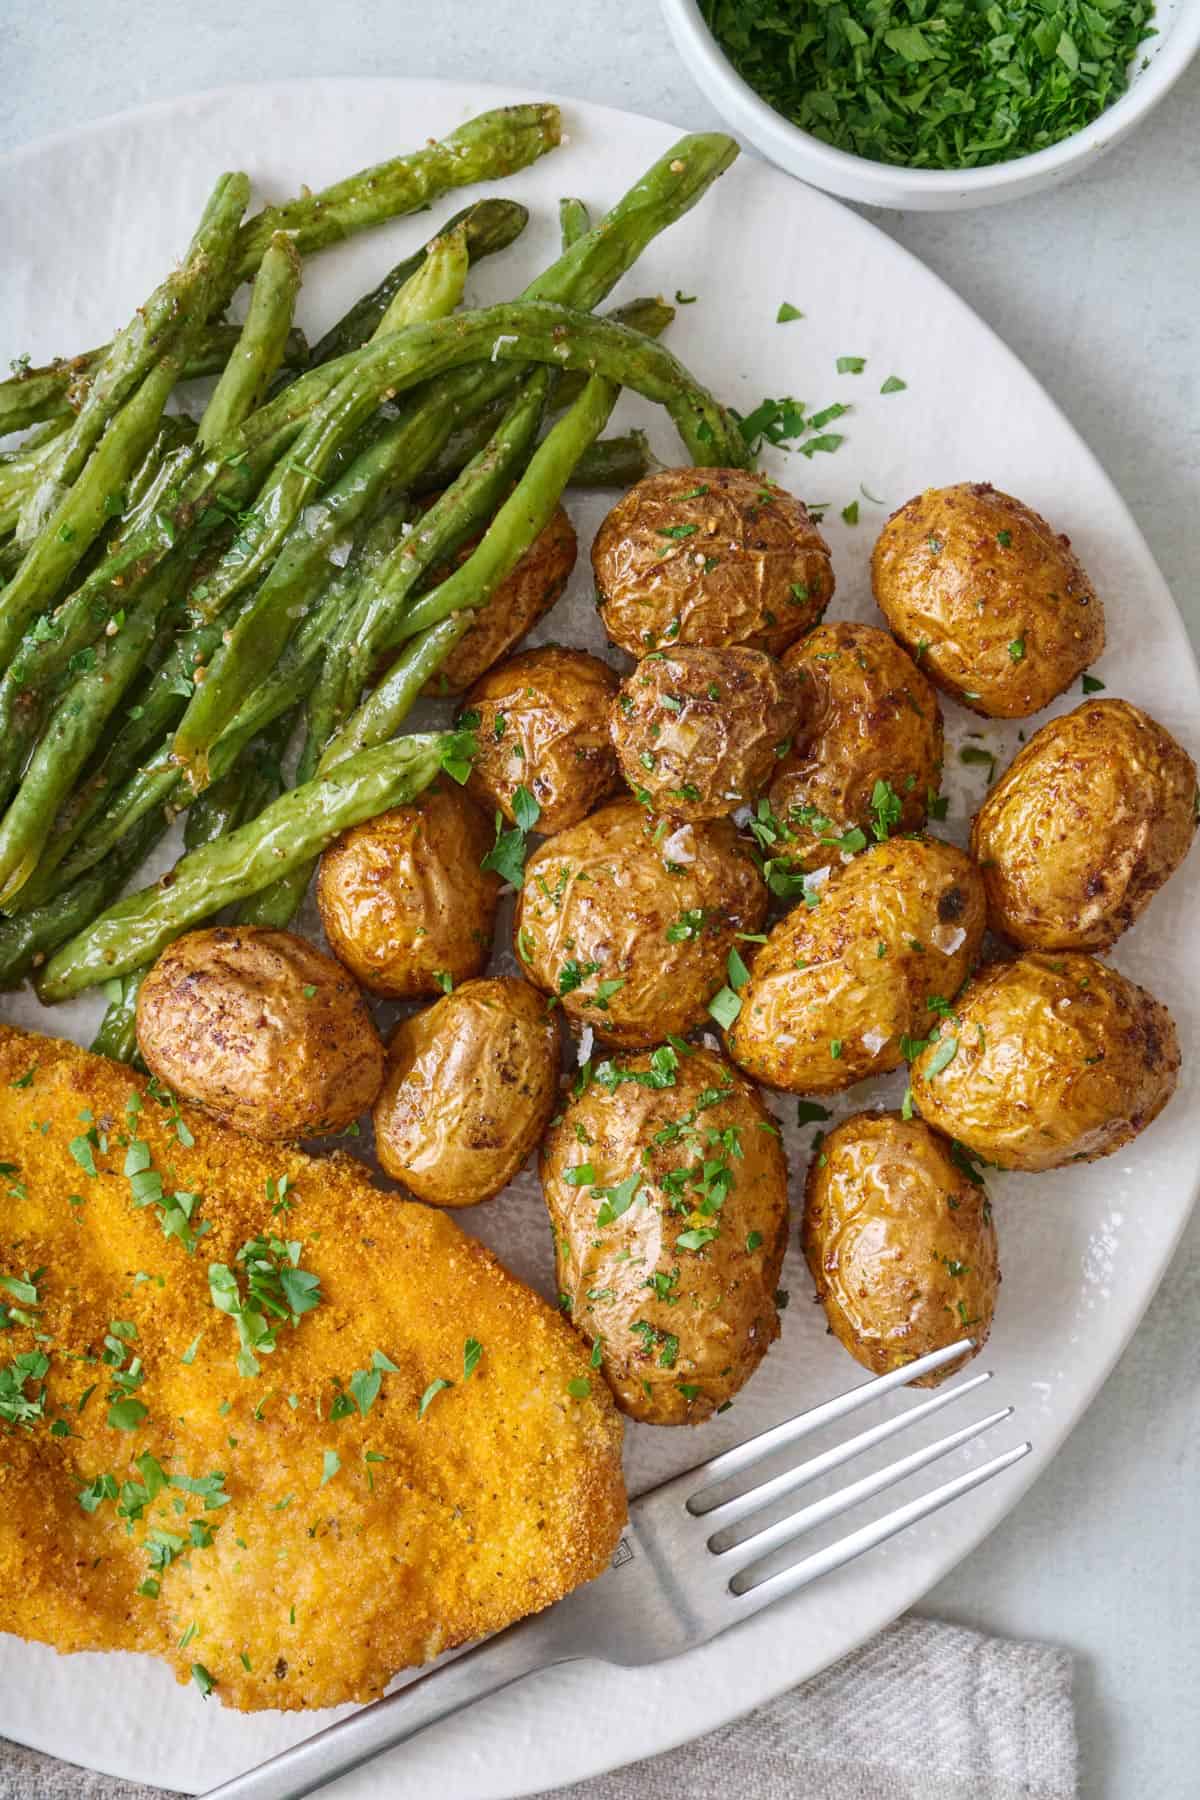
934, 104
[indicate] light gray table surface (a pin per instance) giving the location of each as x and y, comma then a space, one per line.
1097, 287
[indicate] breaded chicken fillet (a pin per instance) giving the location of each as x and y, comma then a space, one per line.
422, 1457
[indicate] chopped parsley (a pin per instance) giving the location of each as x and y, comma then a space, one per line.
430, 1395
278, 1291
725, 1006
787, 312
886, 809
506, 858
951, 89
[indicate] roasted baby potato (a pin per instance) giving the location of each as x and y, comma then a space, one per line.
1078, 836
541, 721
667, 1188
1048, 1060
993, 602
629, 920
538, 580
868, 750
709, 556
262, 1029
701, 731
837, 989
900, 1243
403, 899
470, 1086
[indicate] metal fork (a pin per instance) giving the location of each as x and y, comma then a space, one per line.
681, 1574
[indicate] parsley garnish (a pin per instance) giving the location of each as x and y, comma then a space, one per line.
430, 1395
277, 1290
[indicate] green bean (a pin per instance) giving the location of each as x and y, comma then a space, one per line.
117, 1036
517, 524
252, 784
20, 469
352, 650
294, 828
260, 348
146, 487
573, 221
26, 941
184, 298
491, 225
616, 462
434, 289
102, 463
611, 462
74, 730
250, 650
486, 148
52, 393
121, 791
449, 522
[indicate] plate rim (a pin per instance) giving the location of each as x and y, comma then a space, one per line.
1019, 1480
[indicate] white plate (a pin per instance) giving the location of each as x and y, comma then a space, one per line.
90, 219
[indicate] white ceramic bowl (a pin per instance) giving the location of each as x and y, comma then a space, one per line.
931, 190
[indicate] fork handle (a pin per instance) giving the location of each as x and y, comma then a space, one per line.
318, 1760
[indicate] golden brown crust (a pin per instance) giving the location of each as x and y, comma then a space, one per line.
403, 898
835, 989
261, 1029
701, 731
599, 900
996, 604
900, 1243
1055, 1059
682, 1324
1082, 830
543, 725
539, 579
710, 556
869, 716
470, 1087
505, 1495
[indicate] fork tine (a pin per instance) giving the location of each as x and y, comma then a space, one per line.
720, 1518
744, 1456
835, 1556
770, 1537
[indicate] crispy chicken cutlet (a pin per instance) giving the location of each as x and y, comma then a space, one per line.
261, 1418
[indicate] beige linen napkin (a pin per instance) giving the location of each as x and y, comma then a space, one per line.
924, 1712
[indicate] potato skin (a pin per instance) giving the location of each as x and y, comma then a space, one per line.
963, 575
402, 897
709, 1312
543, 724
833, 990
1079, 834
900, 1244
539, 579
700, 556
470, 1086
1059, 1059
700, 730
261, 1029
869, 715
600, 897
